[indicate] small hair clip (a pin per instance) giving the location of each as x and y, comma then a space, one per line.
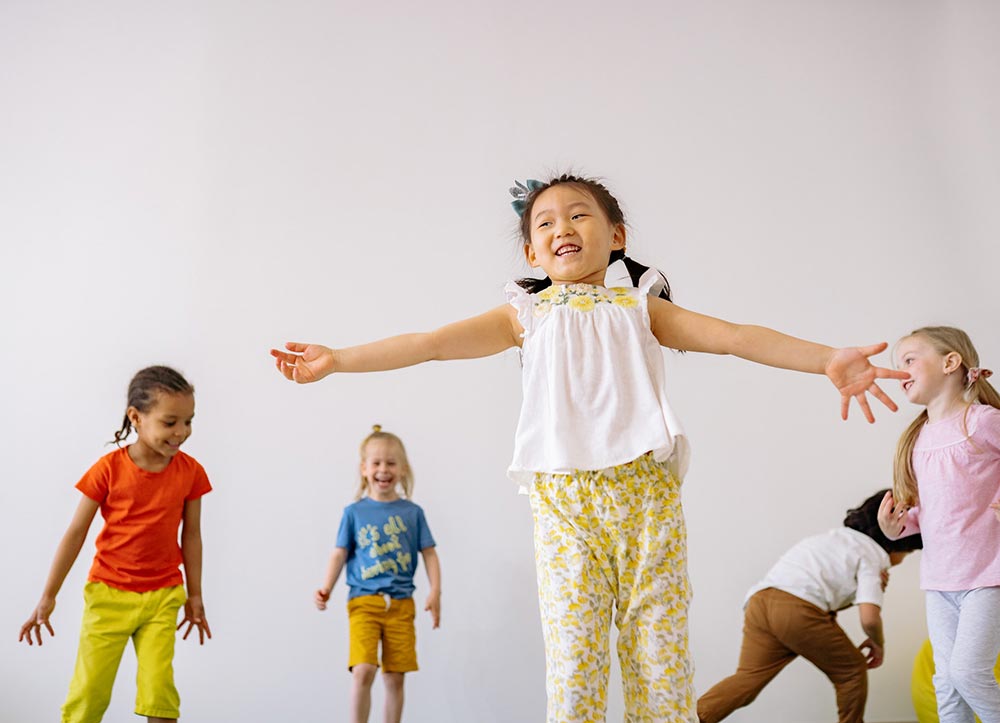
520, 192
977, 373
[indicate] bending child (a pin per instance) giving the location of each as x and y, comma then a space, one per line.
793, 612
378, 541
145, 491
597, 442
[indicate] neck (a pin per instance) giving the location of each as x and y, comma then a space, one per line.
945, 406
595, 279
147, 459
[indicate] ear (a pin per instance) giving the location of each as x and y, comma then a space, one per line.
618, 238
529, 256
133, 416
952, 362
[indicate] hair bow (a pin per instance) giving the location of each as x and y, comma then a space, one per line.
977, 373
520, 192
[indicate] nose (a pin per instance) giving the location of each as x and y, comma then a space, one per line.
563, 228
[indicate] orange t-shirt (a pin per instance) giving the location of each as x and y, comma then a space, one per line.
138, 548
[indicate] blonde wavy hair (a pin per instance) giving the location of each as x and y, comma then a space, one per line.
406, 473
945, 340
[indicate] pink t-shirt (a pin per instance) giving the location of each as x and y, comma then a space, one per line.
958, 476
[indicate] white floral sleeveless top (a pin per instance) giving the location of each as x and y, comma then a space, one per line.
594, 383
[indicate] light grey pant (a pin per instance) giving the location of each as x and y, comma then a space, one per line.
964, 629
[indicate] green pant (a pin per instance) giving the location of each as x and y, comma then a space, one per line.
110, 617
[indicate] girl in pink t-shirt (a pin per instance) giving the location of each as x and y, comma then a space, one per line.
947, 480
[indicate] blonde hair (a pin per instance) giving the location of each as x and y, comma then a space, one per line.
406, 476
945, 340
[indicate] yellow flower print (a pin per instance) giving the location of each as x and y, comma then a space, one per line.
626, 302
549, 294
582, 303
542, 308
619, 290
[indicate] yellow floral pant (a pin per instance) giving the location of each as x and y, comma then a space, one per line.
604, 540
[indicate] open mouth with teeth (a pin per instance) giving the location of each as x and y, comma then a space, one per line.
907, 384
567, 249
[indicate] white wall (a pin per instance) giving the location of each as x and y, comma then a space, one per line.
192, 183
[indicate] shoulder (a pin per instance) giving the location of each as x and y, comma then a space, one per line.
185, 462
114, 464
866, 547
106, 468
356, 506
984, 415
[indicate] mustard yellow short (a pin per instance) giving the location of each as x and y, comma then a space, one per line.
375, 618
110, 617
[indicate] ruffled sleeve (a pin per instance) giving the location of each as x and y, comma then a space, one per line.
651, 282
523, 302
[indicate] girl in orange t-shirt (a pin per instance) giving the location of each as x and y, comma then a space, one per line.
135, 587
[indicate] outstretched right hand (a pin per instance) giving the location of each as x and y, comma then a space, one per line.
304, 363
321, 598
891, 517
38, 618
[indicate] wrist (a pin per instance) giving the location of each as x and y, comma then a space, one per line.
333, 363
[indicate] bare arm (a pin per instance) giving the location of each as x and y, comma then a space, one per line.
194, 608
66, 554
433, 566
679, 328
848, 368
871, 623
337, 559
479, 336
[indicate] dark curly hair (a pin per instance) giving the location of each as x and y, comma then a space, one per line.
864, 519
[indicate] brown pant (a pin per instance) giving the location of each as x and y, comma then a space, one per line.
779, 627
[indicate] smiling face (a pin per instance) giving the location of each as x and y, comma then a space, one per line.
932, 374
571, 236
383, 467
162, 428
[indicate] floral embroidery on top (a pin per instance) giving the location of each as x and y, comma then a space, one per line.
582, 297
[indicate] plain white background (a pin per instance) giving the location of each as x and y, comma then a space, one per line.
193, 183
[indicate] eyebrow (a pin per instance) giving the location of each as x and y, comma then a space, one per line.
570, 206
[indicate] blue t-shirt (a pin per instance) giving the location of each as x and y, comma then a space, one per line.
383, 542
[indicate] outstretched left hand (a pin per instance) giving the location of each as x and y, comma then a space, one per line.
194, 616
854, 376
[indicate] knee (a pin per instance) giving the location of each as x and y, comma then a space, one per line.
854, 675
966, 675
393, 682
364, 675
